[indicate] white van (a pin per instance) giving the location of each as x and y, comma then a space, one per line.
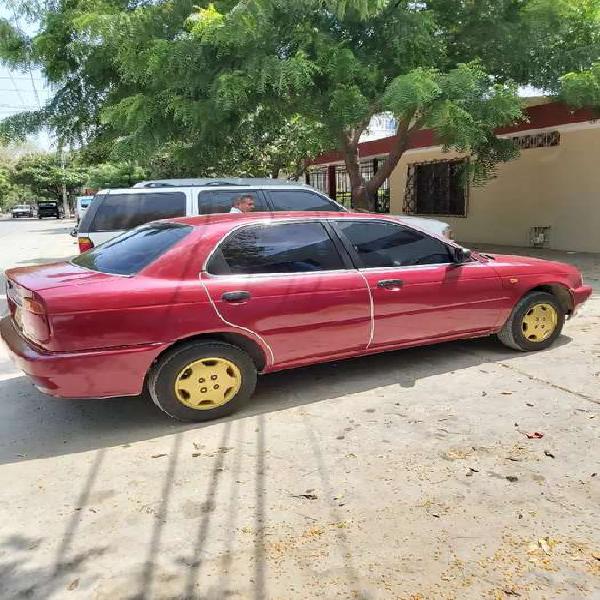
83, 203
114, 211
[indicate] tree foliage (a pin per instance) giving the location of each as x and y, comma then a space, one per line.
260, 85
44, 175
114, 175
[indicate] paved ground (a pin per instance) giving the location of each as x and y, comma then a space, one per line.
401, 476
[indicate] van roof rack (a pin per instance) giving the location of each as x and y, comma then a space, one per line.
225, 181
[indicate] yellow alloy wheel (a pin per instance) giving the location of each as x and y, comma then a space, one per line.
539, 322
208, 383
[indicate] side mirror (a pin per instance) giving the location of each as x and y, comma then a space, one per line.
461, 255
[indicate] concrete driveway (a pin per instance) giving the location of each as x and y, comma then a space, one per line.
407, 475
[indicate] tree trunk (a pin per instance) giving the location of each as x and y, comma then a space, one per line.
360, 197
275, 171
403, 133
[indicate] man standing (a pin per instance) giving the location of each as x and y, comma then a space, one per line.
243, 204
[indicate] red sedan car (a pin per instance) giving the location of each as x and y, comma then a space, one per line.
192, 309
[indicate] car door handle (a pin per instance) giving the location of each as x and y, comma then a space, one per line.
390, 283
235, 296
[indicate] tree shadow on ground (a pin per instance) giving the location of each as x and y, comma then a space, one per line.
20, 579
33, 425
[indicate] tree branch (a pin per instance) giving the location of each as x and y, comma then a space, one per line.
406, 127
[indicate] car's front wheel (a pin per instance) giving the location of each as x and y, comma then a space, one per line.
535, 322
201, 381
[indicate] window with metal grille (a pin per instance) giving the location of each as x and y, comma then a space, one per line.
317, 178
367, 170
437, 188
343, 193
546, 139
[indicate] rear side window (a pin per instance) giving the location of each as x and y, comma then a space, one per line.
130, 252
221, 201
301, 200
281, 248
125, 211
389, 245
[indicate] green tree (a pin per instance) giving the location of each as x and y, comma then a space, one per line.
190, 82
114, 175
45, 176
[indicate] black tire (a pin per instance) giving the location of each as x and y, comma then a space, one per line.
161, 380
512, 334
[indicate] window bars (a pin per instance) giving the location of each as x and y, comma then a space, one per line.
546, 139
437, 187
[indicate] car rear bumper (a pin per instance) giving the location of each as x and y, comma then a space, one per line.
95, 374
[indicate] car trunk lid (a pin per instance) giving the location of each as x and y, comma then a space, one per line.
26, 291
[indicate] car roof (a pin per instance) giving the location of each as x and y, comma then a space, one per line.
236, 218
218, 181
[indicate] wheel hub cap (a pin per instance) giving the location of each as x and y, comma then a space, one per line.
207, 383
539, 322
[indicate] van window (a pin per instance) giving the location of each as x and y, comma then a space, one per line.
119, 212
293, 200
221, 201
130, 252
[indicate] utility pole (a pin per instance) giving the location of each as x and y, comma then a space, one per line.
64, 184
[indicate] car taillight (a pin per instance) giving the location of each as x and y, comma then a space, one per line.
34, 306
85, 244
29, 312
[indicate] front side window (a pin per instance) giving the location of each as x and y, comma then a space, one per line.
279, 248
130, 252
292, 200
120, 212
380, 244
222, 201
437, 188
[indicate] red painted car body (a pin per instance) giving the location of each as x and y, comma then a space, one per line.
89, 334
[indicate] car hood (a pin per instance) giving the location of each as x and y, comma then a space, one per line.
540, 264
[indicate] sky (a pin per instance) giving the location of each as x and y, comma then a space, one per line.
18, 90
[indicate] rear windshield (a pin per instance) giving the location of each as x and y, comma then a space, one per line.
130, 252
119, 212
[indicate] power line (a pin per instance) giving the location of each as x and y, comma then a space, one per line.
42, 79
16, 88
37, 97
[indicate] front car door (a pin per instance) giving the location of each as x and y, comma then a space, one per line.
292, 284
419, 292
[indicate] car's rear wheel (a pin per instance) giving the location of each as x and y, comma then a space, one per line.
201, 381
535, 322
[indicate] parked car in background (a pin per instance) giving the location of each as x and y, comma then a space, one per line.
118, 210
81, 206
50, 208
22, 210
194, 308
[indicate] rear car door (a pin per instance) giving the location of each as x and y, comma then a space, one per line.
418, 291
292, 284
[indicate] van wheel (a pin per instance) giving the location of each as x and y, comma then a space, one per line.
201, 381
535, 322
